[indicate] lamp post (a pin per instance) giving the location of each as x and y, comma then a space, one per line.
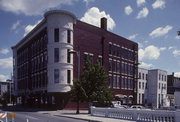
78, 59
9, 81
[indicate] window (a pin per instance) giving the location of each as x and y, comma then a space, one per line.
100, 60
56, 75
114, 81
114, 66
129, 83
117, 83
142, 85
110, 81
85, 58
146, 76
122, 67
159, 86
56, 35
139, 75
68, 56
110, 65
159, 76
122, 82
118, 67
56, 54
165, 78
139, 85
142, 98
143, 76
118, 51
162, 77
110, 49
125, 82
139, 98
69, 36
69, 76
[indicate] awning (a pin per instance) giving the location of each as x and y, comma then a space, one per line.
119, 95
130, 96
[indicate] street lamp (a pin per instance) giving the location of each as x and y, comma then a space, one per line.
78, 59
178, 33
9, 81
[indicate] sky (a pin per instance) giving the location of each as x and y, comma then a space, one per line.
153, 24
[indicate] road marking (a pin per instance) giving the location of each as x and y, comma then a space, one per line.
31, 117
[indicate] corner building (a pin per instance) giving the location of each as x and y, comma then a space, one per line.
44, 69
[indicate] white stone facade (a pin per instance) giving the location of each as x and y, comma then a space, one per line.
142, 86
63, 21
152, 87
157, 88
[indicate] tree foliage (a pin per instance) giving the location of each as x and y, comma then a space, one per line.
94, 81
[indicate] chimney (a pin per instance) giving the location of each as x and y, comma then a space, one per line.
104, 23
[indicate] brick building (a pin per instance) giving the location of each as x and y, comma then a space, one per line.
44, 70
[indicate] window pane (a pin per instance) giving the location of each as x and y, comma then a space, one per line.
69, 36
56, 35
56, 75
68, 56
69, 76
56, 54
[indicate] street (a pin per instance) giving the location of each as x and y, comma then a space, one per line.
38, 117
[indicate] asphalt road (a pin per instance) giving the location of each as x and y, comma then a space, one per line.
38, 117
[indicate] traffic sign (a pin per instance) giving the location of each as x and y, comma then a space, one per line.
12, 115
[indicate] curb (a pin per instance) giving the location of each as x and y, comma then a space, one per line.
89, 120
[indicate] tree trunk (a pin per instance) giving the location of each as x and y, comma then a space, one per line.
77, 110
89, 107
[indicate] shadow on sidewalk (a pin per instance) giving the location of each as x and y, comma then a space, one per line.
22, 108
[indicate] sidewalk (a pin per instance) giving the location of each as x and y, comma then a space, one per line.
82, 116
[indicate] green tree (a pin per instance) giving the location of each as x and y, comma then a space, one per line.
77, 93
95, 83
92, 86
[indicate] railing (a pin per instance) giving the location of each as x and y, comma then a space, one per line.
137, 115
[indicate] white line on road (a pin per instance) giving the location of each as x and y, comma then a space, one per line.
31, 117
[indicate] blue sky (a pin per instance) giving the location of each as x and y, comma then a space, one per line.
151, 23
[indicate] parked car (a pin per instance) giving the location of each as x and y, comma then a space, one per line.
116, 104
137, 107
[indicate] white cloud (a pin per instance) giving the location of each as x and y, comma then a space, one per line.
162, 48
4, 51
15, 25
128, 10
145, 65
28, 28
140, 2
177, 37
177, 74
140, 45
93, 16
6, 62
3, 77
171, 47
151, 52
176, 53
88, 1
143, 13
159, 4
160, 31
132, 36
31, 7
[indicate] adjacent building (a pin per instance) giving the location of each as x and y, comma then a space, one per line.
152, 87
173, 85
142, 92
6, 87
43, 68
